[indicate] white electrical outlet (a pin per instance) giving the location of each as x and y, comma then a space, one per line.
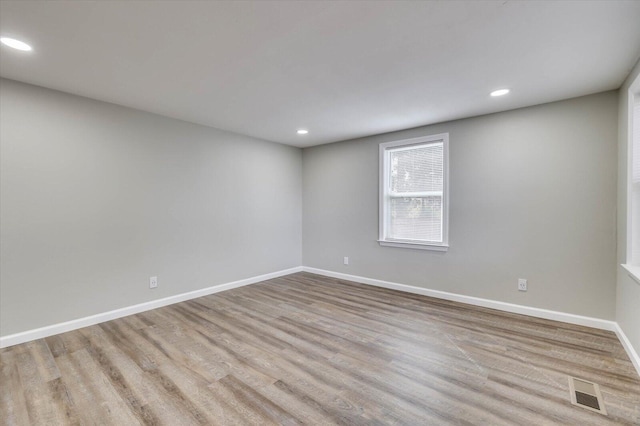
522, 284
153, 282
346, 260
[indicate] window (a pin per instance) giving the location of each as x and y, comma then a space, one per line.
633, 182
414, 197
634, 199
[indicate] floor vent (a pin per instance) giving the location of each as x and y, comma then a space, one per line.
586, 395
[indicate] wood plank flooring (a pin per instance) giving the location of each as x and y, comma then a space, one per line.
306, 349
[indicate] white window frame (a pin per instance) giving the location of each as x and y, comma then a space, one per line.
384, 197
634, 99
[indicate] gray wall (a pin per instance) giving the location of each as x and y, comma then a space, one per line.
533, 195
96, 198
628, 290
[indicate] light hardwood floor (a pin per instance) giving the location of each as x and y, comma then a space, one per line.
315, 350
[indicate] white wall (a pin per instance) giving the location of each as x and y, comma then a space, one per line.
96, 198
533, 195
628, 290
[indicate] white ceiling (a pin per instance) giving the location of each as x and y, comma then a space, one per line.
340, 69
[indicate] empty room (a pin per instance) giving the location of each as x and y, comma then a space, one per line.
319, 212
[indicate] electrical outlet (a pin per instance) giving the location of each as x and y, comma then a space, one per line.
522, 284
153, 282
346, 260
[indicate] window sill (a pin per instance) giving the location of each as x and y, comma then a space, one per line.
410, 245
633, 272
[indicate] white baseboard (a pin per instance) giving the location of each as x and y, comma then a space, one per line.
494, 304
39, 333
626, 344
486, 303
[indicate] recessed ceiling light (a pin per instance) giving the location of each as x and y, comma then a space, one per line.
16, 44
302, 132
500, 92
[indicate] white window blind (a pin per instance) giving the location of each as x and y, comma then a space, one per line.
635, 187
413, 192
